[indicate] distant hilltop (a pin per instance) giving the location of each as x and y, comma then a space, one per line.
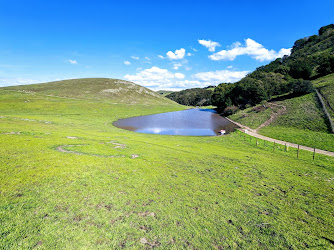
99, 89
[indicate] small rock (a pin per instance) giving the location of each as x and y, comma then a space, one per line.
143, 241
134, 156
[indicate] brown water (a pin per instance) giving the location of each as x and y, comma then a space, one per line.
192, 122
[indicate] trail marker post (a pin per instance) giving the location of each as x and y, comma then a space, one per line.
313, 153
298, 152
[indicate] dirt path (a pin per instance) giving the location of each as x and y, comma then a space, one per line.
254, 133
273, 116
321, 99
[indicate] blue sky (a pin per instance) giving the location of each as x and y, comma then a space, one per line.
157, 44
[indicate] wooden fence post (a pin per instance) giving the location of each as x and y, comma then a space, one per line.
285, 147
313, 153
298, 152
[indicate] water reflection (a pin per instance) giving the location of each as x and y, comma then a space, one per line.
193, 122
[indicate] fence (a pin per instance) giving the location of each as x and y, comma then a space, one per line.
273, 146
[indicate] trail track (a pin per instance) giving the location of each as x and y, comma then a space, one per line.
255, 134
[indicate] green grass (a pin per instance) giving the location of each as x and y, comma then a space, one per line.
180, 192
102, 89
326, 87
253, 117
303, 123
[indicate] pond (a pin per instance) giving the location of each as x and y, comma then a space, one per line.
191, 122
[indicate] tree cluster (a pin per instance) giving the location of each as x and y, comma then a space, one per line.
192, 97
311, 57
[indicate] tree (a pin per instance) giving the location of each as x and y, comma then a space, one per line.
323, 29
300, 87
301, 69
220, 96
326, 64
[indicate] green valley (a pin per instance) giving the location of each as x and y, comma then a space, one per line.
70, 179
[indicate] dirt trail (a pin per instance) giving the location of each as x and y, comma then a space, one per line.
273, 115
254, 133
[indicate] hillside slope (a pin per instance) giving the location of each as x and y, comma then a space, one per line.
311, 57
303, 121
102, 89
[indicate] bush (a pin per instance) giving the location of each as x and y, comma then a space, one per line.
301, 87
301, 69
230, 110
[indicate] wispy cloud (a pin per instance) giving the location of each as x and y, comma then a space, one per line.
161, 57
211, 45
177, 65
179, 54
16, 81
72, 61
147, 58
252, 49
135, 57
127, 63
219, 76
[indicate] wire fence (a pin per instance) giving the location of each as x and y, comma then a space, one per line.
275, 147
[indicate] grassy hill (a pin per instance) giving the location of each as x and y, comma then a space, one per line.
325, 85
303, 122
69, 179
103, 89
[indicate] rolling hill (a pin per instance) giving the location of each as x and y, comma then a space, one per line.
98, 89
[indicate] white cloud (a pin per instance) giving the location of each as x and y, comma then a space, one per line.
219, 76
189, 54
72, 61
251, 48
230, 67
127, 63
147, 58
284, 52
177, 65
135, 57
156, 78
16, 81
179, 54
211, 45
160, 56
194, 49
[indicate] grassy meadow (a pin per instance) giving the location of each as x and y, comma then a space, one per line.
121, 189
